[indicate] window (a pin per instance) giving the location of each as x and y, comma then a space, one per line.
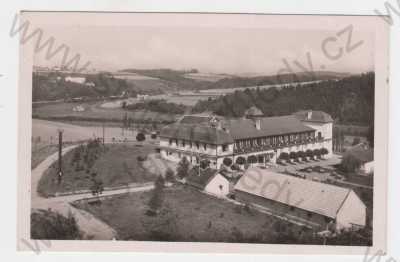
197, 145
170, 142
309, 214
319, 135
205, 146
183, 143
221, 187
224, 148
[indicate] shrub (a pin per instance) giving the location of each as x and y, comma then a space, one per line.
240, 160
292, 155
153, 136
350, 163
141, 158
46, 224
227, 161
235, 167
309, 153
324, 151
252, 159
140, 137
205, 163
284, 156
317, 152
169, 175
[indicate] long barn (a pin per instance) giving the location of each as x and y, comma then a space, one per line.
313, 203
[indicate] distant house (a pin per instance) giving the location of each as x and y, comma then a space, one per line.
210, 181
79, 80
365, 155
316, 204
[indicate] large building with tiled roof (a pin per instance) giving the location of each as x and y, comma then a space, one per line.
253, 139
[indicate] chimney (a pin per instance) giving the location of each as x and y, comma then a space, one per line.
309, 115
258, 123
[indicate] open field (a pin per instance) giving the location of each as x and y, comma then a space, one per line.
116, 166
94, 112
189, 215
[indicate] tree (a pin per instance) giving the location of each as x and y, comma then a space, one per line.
97, 185
240, 160
205, 163
301, 154
252, 159
153, 135
46, 224
227, 161
324, 151
317, 153
309, 153
356, 141
140, 137
292, 155
284, 156
183, 168
370, 136
157, 196
350, 163
169, 175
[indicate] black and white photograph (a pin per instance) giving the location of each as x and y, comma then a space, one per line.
204, 128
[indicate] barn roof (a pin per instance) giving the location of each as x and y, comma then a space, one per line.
313, 116
305, 194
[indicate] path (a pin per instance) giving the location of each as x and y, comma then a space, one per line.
92, 227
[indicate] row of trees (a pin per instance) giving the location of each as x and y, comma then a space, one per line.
303, 154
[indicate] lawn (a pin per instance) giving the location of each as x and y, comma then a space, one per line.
117, 165
189, 215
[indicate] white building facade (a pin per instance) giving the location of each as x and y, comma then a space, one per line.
253, 140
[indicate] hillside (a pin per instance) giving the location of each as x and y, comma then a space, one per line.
349, 100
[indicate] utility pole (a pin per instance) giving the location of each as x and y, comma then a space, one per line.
60, 139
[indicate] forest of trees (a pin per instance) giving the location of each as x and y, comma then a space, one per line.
349, 100
158, 105
54, 87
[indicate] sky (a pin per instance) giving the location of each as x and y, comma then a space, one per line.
242, 51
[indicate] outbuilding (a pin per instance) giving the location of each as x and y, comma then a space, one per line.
313, 203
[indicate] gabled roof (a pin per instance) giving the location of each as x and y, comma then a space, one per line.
305, 194
313, 116
202, 180
197, 133
279, 125
361, 153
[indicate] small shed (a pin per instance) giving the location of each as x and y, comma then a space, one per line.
210, 181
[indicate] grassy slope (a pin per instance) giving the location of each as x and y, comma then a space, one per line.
118, 166
193, 216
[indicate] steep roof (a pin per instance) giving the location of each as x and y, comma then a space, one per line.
279, 125
305, 194
313, 116
361, 153
196, 132
200, 181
